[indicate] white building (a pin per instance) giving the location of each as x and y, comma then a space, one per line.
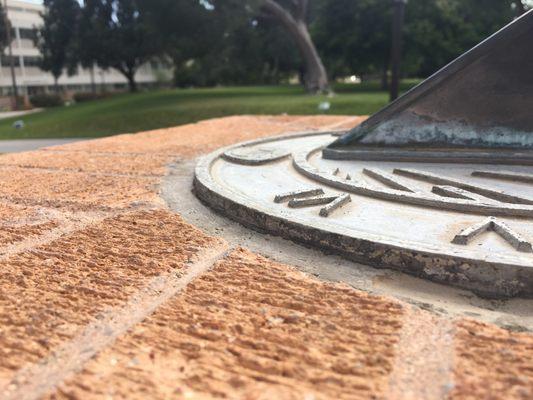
24, 18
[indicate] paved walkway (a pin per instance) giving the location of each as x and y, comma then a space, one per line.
17, 146
11, 114
106, 292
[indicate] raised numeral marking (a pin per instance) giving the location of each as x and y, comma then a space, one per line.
470, 233
282, 198
494, 225
335, 205
312, 201
314, 197
504, 175
512, 237
387, 179
440, 180
456, 193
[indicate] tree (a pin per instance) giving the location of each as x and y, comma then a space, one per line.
86, 43
221, 44
118, 36
5, 41
355, 37
4, 26
188, 34
55, 38
439, 31
293, 16
521, 7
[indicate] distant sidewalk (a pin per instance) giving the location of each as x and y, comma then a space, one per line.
20, 145
11, 114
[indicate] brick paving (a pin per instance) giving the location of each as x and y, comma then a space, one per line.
105, 293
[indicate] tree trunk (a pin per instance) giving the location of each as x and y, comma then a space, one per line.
56, 84
385, 77
316, 78
396, 48
132, 84
93, 83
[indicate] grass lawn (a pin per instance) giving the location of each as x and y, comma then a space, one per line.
150, 110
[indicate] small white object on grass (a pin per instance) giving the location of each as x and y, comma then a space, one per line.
18, 124
324, 106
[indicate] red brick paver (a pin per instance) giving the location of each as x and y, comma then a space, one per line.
252, 329
105, 293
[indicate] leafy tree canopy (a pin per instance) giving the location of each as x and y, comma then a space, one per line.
263, 41
354, 36
118, 36
55, 38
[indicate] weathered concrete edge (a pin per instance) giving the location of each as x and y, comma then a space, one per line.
487, 279
463, 273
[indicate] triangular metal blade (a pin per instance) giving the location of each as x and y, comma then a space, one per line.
483, 99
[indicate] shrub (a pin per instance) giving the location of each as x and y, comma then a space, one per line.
45, 100
88, 96
82, 97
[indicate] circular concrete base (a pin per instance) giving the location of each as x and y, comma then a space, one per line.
466, 225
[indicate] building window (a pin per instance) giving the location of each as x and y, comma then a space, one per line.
30, 61
6, 61
26, 33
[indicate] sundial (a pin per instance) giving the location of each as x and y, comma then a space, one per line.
439, 184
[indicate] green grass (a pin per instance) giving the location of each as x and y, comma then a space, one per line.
150, 110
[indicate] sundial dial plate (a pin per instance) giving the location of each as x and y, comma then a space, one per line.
467, 225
